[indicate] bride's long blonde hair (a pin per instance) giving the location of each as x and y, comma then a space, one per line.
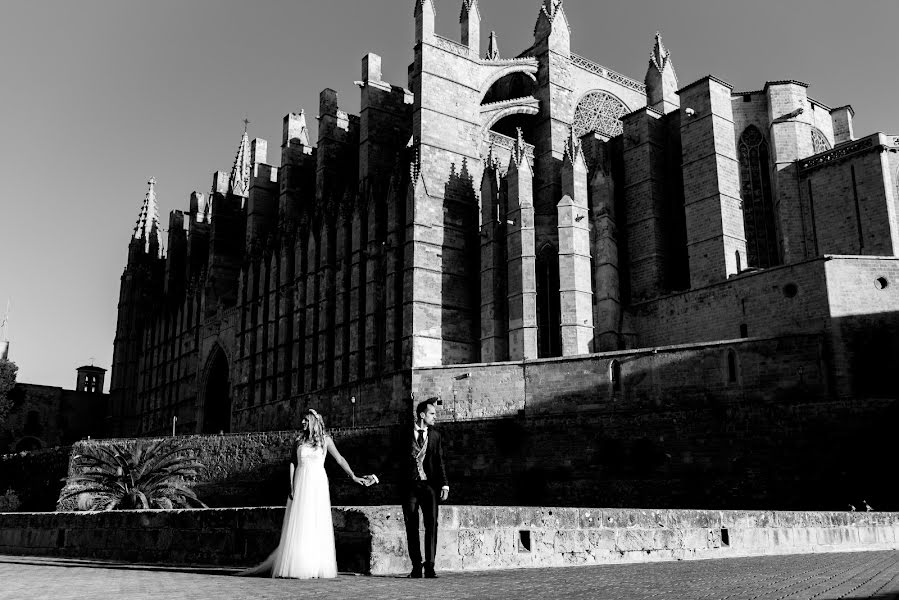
315, 435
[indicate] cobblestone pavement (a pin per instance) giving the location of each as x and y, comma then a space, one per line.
818, 576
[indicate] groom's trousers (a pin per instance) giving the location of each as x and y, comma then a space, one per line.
422, 496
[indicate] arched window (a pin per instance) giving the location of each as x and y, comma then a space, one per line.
819, 141
615, 375
600, 112
731, 366
758, 206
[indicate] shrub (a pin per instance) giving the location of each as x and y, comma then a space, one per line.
8, 370
112, 477
9, 502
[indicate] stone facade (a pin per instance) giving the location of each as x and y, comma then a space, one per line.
513, 209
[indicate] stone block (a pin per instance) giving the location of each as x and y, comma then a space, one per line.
589, 518
867, 535
751, 540
636, 540
694, 518
599, 540
477, 517
695, 538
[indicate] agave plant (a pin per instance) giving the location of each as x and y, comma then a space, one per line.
113, 477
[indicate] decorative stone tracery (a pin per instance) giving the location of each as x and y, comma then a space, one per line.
819, 141
758, 206
600, 112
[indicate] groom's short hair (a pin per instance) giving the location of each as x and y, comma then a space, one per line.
423, 406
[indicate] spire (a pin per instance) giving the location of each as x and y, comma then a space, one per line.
552, 23
304, 130
492, 161
660, 54
147, 227
572, 146
661, 80
468, 7
519, 152
239, 184
470, 19
492, 47
550, 9
424, 19
420, 5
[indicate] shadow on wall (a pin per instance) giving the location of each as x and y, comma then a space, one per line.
870, 353
460, 328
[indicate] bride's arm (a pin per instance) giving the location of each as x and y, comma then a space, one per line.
293, 466
335, 454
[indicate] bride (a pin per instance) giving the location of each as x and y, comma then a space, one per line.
306, 549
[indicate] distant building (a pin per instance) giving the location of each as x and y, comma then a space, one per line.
505, 213
44, 416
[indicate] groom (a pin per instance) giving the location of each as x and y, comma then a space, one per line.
425, 485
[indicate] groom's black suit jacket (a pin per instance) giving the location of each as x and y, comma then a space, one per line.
434, 467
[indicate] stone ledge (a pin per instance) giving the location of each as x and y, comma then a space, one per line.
372, 539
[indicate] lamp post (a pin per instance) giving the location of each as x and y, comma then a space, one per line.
353, 402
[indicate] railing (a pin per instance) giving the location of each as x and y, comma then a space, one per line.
848, 149
589, 65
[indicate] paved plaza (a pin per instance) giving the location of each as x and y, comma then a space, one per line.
818, 576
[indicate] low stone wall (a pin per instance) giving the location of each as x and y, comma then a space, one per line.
221, 536
372, 539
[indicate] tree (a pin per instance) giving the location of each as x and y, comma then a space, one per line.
155, 476
8, 370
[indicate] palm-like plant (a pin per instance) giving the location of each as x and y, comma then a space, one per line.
111, 477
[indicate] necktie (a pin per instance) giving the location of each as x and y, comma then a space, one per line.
421, 437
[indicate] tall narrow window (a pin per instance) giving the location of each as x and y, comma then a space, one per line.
549, 334
758, 206
615, 375
731, 366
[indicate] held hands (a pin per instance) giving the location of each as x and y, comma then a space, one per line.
367, 480
444, 494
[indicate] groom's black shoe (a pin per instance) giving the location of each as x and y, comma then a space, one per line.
416, 572
429, 572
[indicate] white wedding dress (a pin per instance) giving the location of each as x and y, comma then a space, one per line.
306, 549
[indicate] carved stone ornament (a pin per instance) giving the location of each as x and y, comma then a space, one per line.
819, 142
600, 112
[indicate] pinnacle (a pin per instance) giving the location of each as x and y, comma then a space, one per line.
549, 9
660, 55
492, 47
147, 226
239, 184
419, 5
572, 146
519, 153
467, 7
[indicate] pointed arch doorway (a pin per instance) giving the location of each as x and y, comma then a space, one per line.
216, 394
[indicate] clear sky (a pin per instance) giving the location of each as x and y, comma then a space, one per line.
97, 96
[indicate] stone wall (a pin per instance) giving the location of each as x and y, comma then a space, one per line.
372, 539
44, 416
234, 537
789, 451
762, 368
